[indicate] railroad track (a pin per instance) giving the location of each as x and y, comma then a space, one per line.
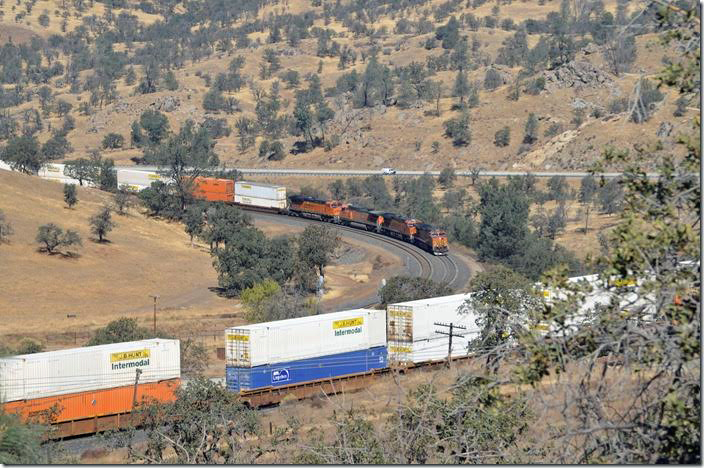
444, 269
329, 387
451, 269
420, 263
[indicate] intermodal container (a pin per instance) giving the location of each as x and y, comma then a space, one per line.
615, 291
240, 379
131, 179
260, 202
212, 189
259, 190
51, 171
304, 338
413, 334
56, 172
93, 403
70, 371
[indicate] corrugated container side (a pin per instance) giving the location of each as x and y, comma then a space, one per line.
412, 333
305, 370
258, 190
51, 171
431, 349
260, 202
142, 179
213, 196
211, 184
75, 370
424, 313
68, 181
92, 404
305, 337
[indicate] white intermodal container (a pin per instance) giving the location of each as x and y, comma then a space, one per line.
413, 334
259, 190
260, 202
305, 337
131, 179
56, 173
52, 373
52, 171
69, 181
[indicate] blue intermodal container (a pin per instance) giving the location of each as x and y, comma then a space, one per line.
305, 370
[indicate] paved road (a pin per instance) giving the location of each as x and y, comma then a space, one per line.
364, 172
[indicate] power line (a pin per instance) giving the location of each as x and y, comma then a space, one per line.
450, 334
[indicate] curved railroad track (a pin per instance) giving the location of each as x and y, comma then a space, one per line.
448, 269
445, 269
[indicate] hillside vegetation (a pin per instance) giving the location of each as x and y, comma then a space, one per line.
101, 281
97, 282
413, 84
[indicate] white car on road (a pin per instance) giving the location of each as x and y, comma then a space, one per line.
388, 171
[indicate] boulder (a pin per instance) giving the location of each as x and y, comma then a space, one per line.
591, 48
664, 130
169, 104
576, 74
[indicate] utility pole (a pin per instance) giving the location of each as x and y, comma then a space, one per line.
155, 297
136, 383
451, 326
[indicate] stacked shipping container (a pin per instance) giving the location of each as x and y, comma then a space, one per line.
211, 189
287, 352
56, 172
260, 195
137, 180
412, 333
89, 382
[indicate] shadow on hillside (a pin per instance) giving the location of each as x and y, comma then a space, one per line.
221, 292
55, 253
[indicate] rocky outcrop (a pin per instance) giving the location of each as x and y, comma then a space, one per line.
167, 103
576, 74
664, 130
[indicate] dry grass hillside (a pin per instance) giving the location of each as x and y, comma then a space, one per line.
369, 137
144, 256
105, 281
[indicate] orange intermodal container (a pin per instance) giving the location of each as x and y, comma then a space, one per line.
212, 189
92, 404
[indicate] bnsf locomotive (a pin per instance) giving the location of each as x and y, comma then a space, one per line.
272, 198
423, 235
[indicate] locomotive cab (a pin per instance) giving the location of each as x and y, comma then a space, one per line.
438, 238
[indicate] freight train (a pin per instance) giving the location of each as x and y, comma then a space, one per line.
272, 198
96, 388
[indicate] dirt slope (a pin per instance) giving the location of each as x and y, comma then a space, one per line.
385, 135
108, 280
